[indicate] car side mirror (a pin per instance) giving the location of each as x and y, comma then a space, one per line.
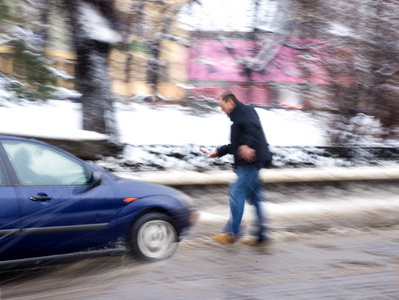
95, 179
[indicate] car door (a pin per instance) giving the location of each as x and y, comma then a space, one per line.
60, 210
9, 216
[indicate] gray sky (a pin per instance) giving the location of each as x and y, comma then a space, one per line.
227, 15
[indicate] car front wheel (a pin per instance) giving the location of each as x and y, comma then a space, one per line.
153, 237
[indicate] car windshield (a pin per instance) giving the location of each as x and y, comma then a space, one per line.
36, 164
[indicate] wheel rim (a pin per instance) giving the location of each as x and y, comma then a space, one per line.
157, 239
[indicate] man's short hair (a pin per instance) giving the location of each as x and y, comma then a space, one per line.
225, 97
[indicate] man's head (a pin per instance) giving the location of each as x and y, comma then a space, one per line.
228, 102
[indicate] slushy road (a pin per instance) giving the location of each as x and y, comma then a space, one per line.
348, 265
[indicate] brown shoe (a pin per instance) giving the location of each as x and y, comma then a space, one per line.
256, 243
224, 238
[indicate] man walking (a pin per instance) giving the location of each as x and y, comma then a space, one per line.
251, 153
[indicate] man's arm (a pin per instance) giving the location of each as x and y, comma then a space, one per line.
221, 151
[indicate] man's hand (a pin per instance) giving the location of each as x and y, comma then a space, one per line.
247, 153
214, 154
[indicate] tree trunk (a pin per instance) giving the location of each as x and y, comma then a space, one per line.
91, 72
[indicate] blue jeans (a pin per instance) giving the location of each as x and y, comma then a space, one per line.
246, 187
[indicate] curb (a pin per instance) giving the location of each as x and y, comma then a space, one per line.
175, 177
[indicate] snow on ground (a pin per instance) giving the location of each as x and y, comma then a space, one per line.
51, 119
142, 124
149, 125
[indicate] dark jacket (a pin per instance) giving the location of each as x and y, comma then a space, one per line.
246, 130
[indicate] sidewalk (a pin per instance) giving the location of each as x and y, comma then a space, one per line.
319, 214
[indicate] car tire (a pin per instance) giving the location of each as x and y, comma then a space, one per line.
153, 237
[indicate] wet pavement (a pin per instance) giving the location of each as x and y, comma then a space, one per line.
355, 265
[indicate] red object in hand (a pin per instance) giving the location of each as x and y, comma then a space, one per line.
203, 150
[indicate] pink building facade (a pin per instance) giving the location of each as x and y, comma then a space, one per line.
215, 67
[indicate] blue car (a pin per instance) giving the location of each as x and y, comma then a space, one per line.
52, 203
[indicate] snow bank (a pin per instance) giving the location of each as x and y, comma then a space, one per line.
52, 119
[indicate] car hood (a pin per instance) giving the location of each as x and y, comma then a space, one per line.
140, 189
